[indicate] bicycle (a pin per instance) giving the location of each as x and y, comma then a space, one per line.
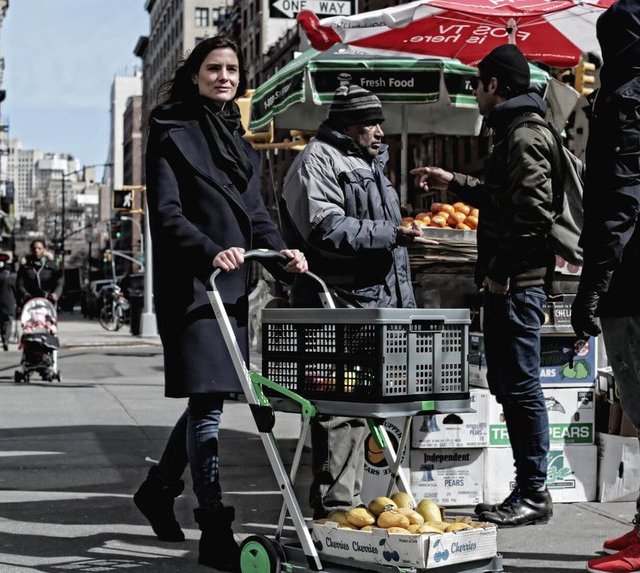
114, 308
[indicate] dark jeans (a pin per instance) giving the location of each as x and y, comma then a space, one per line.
194, 440
621, 336
511, 329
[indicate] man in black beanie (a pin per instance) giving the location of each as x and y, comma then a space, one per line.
611, 234
514, 266
341, 207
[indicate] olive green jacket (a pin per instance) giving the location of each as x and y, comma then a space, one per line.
515, 199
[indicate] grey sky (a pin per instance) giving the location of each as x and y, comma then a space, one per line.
60, 59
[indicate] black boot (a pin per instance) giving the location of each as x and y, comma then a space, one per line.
218, 547
530, 507
482, 507
154, 499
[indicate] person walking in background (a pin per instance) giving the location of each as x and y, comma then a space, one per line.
515, 263
205, 209
7, 302
39, 276
345, 214
611, 235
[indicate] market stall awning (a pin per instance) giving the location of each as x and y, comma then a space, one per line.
436, 91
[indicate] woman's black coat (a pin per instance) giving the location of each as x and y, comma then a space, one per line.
196, 212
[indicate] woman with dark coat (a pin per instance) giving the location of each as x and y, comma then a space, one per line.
205, 209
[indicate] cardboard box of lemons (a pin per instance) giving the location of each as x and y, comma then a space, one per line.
414, 517
360, 516
402, 499
429, 510
339, 517
393, 519
380, 504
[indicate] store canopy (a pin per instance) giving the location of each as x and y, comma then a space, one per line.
419, 94
555, 32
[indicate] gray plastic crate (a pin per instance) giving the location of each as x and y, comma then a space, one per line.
367, 354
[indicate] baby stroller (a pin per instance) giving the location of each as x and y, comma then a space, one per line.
39, 341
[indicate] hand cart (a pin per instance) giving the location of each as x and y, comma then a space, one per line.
407, 390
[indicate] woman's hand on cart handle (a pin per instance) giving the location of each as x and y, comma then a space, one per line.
229, 259
297, 261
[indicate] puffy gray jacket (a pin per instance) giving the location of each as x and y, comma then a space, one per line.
344, 212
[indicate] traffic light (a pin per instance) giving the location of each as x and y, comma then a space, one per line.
123, 199
585, 77
116, 228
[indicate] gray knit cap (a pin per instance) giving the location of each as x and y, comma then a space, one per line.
352, 104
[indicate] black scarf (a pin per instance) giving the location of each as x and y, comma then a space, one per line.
223, 130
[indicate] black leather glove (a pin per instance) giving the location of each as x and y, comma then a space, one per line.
583, 314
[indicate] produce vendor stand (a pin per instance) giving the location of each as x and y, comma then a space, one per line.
370, 363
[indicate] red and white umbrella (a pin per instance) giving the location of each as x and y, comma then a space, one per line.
555, 32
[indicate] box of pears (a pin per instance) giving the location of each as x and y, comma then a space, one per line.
392, 531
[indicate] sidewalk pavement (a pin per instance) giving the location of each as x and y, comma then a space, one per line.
76, 331
72, 454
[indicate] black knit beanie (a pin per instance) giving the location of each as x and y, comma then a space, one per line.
352, 104
508, 64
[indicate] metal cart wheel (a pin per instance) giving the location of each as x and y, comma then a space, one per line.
259, 554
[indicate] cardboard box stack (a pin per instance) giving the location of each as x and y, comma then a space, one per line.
465, 458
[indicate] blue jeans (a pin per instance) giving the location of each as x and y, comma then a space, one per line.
194, 439
511, 329
621, 336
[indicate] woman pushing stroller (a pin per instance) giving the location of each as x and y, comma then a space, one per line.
39, 276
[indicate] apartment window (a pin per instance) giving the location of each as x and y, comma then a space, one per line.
202, 17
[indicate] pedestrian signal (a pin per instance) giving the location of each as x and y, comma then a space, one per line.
585, 77
123, 199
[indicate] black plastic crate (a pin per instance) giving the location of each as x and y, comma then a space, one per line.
367, 354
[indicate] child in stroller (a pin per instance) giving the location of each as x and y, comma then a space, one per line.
39, 341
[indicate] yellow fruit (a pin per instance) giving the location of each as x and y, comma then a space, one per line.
463, 227
399, 530
414, 517
463, 519
457, 527
439, 525
367, 528
438, 221
393, 519
429, 510
402, 499
414, 528
360, 517
339, 517
380, 504
320, 521
426, 528
471, 221
462, 208
347, 527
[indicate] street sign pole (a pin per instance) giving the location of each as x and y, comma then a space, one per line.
148, 325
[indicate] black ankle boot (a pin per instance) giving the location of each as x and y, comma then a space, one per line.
482, 507
218, 547
530, 507
154, 499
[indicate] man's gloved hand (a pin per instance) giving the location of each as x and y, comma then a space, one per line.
583, 314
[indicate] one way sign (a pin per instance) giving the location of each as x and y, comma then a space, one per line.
291, 8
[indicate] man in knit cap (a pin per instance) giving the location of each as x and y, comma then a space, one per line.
514, 267
346, 213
